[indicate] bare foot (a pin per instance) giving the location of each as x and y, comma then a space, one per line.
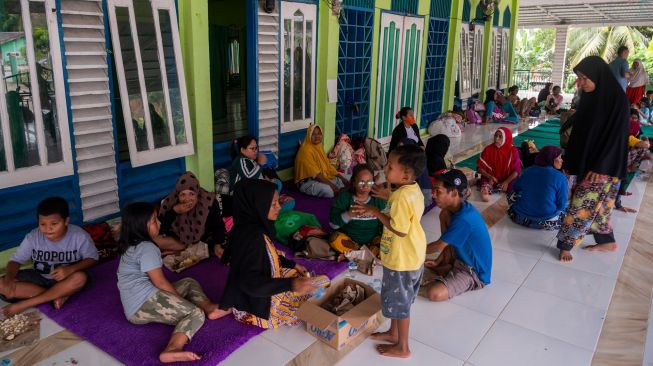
385, 337
217, 313
393, 350
628, 194
605, 247
565, 256
485, 195
177, 356
58, 303
212, 310
626, 209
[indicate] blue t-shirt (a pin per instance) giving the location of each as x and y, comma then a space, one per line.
542, 193
469, 237
647, 113
512, 114
619, 69
46, 255
133, 282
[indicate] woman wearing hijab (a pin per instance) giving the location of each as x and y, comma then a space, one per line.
436, 150
264, 288
498, 108
314, 174
499, 165
190, 214
540, 193
406, 129
637, 82
596, 156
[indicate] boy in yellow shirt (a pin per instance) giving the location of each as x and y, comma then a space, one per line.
403, 246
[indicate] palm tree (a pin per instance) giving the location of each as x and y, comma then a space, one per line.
601, 41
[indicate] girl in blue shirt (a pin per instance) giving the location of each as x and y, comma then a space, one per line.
540, 193
146, 294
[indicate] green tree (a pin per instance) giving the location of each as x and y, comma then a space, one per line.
602, 41
534, 49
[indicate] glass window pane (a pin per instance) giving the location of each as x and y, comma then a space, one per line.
287, 54
298, 72
309, 62
45, 76
131, 76
172, 76
152, 72
16, 76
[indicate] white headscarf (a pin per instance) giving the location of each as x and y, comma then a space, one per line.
639, 77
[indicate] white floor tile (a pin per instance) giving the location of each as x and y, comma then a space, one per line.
510, 266
447, 327
432, 236
507, 235
490, 300
508, 344
259, 351
83, 353
571, 284
421, 354
294, 339
602, 263
565, 320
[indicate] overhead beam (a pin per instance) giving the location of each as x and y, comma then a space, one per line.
589, 24
545, 11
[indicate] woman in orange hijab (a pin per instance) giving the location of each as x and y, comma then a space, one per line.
314, 174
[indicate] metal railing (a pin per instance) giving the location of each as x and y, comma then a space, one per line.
531, 80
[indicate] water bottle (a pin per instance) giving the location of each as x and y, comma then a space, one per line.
353, 267
319, 292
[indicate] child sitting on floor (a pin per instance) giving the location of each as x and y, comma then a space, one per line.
403, 246
499, 165
147, 296
554, 101
645, 112
60, 254
465, 262
353, 230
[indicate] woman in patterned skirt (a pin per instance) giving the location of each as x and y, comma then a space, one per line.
264, 288
596, 158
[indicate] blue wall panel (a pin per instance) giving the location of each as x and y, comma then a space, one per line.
149, 183
467, 9
18, 207
404, 6
436, 58
288, 146
354, 71
221, 156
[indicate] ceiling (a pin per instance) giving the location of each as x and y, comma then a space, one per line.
539, 13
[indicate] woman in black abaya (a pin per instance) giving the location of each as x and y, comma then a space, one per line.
596, 157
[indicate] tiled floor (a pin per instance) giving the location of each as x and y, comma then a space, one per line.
537, 311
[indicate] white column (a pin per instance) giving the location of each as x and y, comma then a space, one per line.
559, 54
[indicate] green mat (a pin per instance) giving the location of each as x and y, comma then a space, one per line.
545, 134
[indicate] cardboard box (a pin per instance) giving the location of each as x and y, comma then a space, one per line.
338, 331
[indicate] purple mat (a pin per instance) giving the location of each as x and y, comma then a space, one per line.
319, 207
97, 316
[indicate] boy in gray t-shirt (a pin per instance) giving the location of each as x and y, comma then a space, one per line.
60, 253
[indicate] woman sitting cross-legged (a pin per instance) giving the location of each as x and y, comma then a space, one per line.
540, 194
147, 296
314, 174
353, 230
264, 288
499, 165
191, 214
498, 108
